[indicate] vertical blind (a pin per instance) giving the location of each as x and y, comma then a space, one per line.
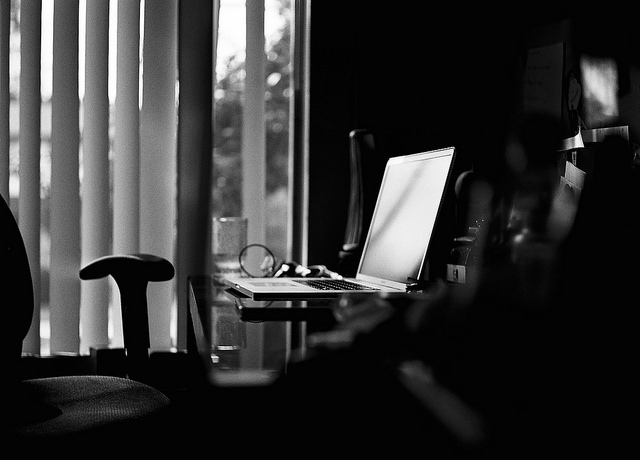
64, 287
5, 99
105, 197
29, 148
95, 237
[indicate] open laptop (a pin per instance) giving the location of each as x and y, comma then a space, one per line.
396, 248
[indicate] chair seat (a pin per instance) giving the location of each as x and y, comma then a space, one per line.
89, 408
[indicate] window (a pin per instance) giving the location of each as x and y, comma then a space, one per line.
251, 132
251, 147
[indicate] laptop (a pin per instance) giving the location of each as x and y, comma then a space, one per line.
396, 249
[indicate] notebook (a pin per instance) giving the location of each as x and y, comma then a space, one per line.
396, 249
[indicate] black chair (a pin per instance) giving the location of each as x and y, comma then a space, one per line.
68, 413
366, 166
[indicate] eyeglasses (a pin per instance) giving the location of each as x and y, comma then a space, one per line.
258, 261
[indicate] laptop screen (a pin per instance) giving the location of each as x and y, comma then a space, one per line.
409, 200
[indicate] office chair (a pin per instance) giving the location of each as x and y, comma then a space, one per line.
366, 166
69, 412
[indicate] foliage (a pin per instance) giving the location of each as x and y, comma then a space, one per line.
227, 179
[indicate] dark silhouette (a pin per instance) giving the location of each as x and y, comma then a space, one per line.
534, 358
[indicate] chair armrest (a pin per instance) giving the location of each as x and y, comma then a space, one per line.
132, 273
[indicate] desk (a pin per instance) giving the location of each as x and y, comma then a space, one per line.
244, 342
243, 402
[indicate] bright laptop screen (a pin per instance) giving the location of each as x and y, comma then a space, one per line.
408, 204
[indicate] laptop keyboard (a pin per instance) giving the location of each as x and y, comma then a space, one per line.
332, 284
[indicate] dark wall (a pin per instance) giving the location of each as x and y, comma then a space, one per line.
419, 79
423, 78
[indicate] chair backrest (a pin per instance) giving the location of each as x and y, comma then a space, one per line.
18, 298
366, 169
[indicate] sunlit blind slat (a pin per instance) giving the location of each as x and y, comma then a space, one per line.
96, 228
65, 199
126, 155
254, 158
29, 142
253, 126
158, 157
5, 25
127, 138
